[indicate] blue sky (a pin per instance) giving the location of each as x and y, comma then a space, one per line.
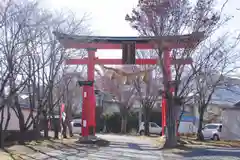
107, 17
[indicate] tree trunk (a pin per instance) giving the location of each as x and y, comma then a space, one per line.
171, 138
104, 125
21, 121
124, 124
2, 136
140, 118
146, 121
4, 129
20, 115
45, 127
21, 124
45, 123
179, 120
37, 122
146, 128
36, 125
200, 136
8, 119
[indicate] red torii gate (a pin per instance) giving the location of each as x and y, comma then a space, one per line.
92, 43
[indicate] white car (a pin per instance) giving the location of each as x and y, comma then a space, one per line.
212, 131
153, 128
76, 126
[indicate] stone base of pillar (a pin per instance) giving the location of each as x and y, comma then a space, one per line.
91, 130
94, 140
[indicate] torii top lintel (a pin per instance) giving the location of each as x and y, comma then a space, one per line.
101, 42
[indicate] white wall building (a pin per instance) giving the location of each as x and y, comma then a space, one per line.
231, 123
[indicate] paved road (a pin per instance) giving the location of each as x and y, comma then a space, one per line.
208, 153
135, 148
121, 148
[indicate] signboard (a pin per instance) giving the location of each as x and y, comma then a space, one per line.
84, 123
80, 103
85, 83
128, 53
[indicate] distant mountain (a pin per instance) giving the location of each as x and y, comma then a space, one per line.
227, 95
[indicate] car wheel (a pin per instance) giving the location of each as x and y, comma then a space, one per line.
141, 132
216, 137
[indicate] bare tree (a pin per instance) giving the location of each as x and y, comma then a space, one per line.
147, 94
160, 18
32, 60
213, 66
71, 96
118, 82
13, 55
51, 73
128, 82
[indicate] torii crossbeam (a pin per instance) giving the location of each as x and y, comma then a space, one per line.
92, 43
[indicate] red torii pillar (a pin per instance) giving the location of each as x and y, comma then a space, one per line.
84, 112
92, 43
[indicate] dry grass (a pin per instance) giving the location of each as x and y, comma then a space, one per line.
158, 141
192, 140
21, 152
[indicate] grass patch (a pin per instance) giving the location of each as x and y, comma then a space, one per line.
221, 143
157, 141
20, 152
191, 140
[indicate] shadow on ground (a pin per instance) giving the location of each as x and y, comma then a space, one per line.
191, 152
133, 146
96, 141
47, 149
57, 149
125, 151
